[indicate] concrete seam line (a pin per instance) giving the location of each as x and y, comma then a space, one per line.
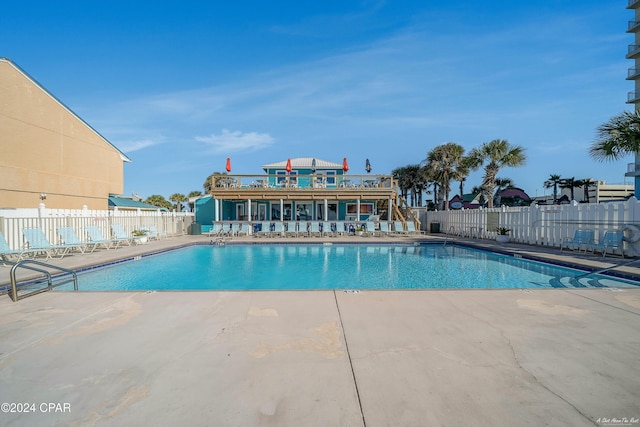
346, 345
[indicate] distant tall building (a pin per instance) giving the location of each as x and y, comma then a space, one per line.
633, 97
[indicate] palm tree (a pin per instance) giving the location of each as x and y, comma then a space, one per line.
618, 137
442, 165
570, 183
553, 182
585, 183
495, 155
178, 199
414, 180
501, 184
215, 179
158, 200
401, 174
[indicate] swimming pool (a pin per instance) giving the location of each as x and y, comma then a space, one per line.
313, 267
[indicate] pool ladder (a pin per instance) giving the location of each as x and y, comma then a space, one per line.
449, 234
69, 276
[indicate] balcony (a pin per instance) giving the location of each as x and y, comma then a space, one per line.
633, 4
633, 73
303, 187
633, 26
633, 97
632, 170
633, 51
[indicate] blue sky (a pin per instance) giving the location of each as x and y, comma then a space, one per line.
181, 86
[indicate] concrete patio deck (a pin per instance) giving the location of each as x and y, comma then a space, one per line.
557, 357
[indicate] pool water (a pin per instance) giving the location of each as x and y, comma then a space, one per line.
312, 267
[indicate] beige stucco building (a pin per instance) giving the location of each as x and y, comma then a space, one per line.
46, 149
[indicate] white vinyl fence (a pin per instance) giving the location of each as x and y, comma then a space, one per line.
12, 221
539, 225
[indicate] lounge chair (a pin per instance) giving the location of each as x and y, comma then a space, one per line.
235, 229
96, 237
303, 228
152, 232
370, 226
314, 229
120, 234
610, 240
227, 230
341, 229
38, 242
411, 228
581, 238
265, 229
6, 251
326, 229
278, 229
159, 234
70, 238
243, 230
216, 229
292, 228
385, 230
398, 228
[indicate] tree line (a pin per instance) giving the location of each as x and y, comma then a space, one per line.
616, 138
448, 162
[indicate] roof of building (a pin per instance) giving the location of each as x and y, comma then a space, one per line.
35, 82
514, 192
470, 197
304, 163
129, 203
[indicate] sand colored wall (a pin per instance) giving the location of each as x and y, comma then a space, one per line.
45, 148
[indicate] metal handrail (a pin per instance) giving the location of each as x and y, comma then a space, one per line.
21, 264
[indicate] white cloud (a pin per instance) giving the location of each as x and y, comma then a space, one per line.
130, 146
236, 141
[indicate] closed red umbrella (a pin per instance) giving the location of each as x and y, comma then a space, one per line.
288, 168
228, 164
345, 165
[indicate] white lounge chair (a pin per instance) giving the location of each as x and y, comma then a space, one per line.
303, 228
314, 229
38, 242
370, 227
243, 230
398, 228
292, 228
326, 229
278, 229
385, 230
96, 237
411, 228
216, 229
6, 252
264, 230
70, 238
120, 234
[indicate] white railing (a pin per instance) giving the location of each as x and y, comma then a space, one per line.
12, 221
537, 225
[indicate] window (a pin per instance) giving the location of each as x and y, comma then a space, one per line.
365, 208
281, 178
331, 178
